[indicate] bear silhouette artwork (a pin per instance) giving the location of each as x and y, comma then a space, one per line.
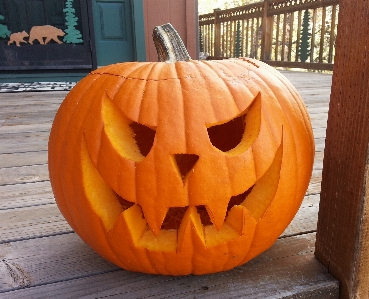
17, 38
46, 31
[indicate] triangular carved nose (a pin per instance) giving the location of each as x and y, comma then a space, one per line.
185, 163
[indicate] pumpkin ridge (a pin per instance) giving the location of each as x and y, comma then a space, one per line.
229, 80
292, 110
271, 131
148, 98
187, 84
116, 69
270, 180
69, 134
223, 65
138, 73
126, 98
141, 79
297, 99
246, 59
271, 112
111, 118
102, 70
55, 146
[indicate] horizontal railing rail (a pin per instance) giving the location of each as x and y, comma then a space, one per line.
283, 33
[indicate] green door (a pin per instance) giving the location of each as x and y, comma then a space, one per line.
113, 31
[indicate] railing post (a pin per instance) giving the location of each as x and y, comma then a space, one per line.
342, 240
266, 35
217, 50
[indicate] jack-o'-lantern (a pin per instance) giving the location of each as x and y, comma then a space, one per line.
181, 167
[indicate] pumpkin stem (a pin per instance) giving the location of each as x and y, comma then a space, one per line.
169, 45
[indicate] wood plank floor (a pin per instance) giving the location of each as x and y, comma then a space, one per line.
41, 256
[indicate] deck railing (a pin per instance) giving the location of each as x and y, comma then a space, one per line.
285, 33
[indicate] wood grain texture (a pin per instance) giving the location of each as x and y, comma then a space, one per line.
281, 272
343, 228
24, 142
25, 195
40, 256
23, 159
24, 174
31, 222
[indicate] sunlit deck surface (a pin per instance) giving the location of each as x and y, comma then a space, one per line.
41, 256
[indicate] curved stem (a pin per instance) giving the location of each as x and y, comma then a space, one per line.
169, 45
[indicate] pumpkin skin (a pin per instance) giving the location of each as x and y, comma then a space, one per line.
220, 170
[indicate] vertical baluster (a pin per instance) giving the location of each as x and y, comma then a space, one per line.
222, 36
277, 38
252, 38
257, 40
290, 35
298, 33
247, 46
313, 31
217, 33
233, 39
283, 51
225, 49
322, 35
243, 39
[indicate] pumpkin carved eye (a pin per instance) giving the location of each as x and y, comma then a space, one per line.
228, 135
239, 133
144, 137
131, 139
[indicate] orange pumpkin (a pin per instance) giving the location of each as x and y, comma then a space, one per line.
184, 167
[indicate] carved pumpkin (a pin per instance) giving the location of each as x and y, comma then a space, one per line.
185, 167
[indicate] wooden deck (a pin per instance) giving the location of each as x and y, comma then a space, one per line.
41, 257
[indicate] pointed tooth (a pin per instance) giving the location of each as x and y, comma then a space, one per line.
238, 218
191, 231
154, 216
217, 212
135, 222
239, 225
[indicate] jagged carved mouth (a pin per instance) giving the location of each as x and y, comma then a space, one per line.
174, 216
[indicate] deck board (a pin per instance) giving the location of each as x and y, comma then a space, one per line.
41, 257
30, 143
23, 174
23, 158
96, 278
25, 195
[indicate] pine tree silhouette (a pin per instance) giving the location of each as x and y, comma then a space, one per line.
73, 35
238, 46
4, 31
304, 48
